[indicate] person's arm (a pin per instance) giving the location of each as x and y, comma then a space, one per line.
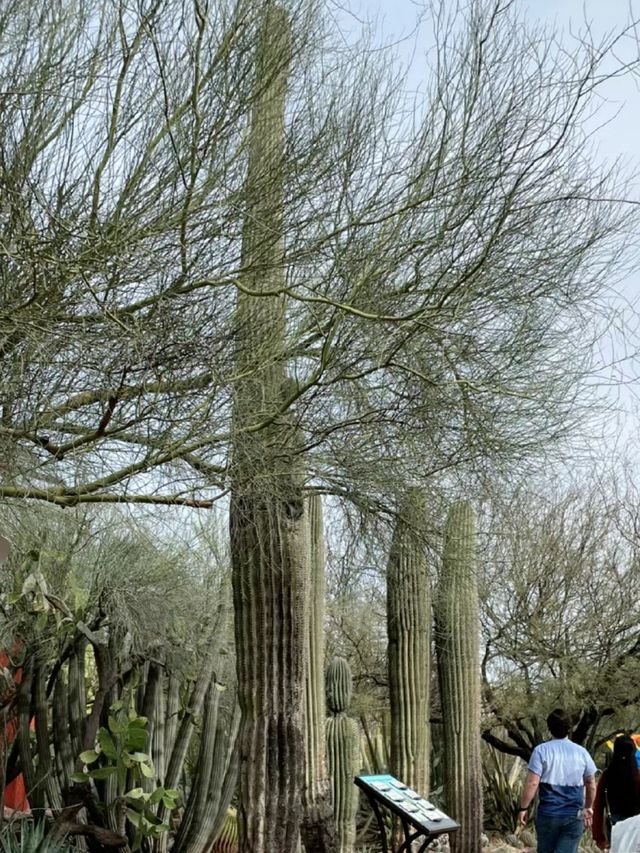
589, 797
598, 825
527, 797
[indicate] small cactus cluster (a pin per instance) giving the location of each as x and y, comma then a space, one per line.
343, 752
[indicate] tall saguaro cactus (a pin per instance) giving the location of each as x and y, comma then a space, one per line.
457, 645
409, 653
267, 515
318, 828
343, 752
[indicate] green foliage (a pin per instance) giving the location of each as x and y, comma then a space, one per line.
30, 838
503, 777
119, 752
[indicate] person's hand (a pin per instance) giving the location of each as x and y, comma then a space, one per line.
587, 815
523, 816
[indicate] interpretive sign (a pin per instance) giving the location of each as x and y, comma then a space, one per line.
421, 821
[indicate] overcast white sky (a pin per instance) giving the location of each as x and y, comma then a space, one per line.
395, 21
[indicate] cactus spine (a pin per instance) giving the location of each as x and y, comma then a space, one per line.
343, 752
458, 654
409, 654
267, 515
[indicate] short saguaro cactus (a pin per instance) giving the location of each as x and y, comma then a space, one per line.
343, 752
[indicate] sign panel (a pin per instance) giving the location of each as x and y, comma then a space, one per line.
405, 802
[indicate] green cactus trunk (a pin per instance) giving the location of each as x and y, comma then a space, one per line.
409, 652
195, 814
318, 827
35, 791
77, 698
343, 752
224, 776
316, 780
61, 737
50, 779
458, 654
267, 514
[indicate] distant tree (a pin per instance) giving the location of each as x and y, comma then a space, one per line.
560, 618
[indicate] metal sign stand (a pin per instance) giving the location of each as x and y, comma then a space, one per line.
411, 809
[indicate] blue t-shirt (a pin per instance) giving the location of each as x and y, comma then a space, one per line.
563, 767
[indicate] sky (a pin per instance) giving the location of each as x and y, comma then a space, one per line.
619, 138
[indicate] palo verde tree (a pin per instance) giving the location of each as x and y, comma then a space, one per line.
417, 284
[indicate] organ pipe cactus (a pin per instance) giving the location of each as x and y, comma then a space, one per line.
214, 779
343, 752
457, 646
409, 653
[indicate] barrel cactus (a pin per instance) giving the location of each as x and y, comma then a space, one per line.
409, 652
343, 752
458, 653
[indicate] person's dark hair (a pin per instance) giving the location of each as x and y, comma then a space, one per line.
622, 778
559, 723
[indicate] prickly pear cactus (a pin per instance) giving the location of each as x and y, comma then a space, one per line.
409, 651
458, 653
343, 752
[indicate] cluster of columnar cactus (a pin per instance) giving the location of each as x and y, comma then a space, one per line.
457, 646
343, 752
409, 654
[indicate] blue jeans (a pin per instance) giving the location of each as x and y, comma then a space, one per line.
559, 834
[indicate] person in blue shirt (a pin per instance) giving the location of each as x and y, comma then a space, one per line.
563, 775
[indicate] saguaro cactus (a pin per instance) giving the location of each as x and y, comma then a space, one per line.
409, 653
343, 752
318, 829
267, 514
457, 645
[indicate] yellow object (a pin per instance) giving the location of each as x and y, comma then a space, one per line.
634, 737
